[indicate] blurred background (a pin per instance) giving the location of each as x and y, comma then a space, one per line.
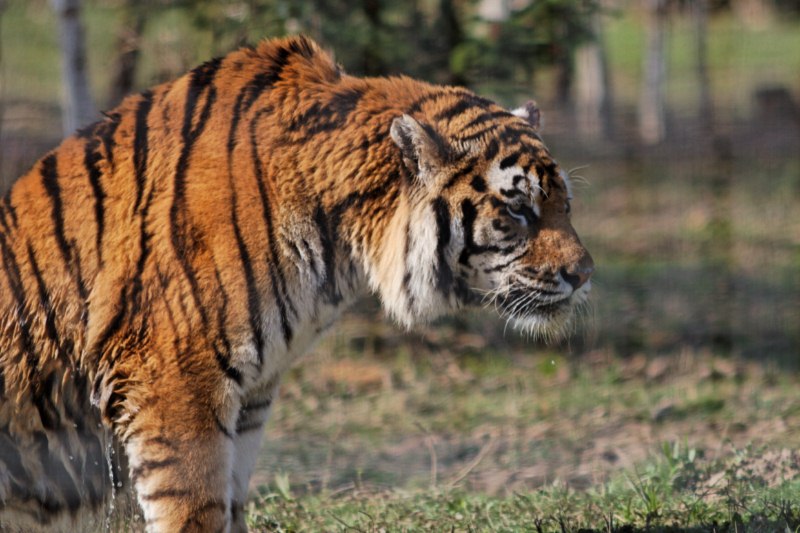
679, 121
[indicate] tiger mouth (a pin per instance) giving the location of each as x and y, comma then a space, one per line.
522, 304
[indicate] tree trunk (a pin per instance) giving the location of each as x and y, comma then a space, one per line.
652, 108
593, 87
564, 76
706, 106
78, 109
129, 38
373, 60
453, 36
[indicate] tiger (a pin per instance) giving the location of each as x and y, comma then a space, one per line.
163, 267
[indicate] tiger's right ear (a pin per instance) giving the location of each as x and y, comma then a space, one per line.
423, 149
530, 112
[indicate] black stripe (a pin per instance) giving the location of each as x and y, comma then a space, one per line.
263, 81
277, 279
44, 301
302, 45
141, 146
512, 193
3, 220
221, 427
384, 192
486, 117
129, 295
321, 118
14, 277
91, 158
509, 161
222, 314
417, 104
237, 115
407, 275
285, 326
42, 396
491, 150
258, 405
508, 263
444, 93
9, 207
468, 216
327, 237
478, 183
465, 170
444, 274
50, 182
225, 365
251, 426
480, 133
266, 79
252, 90
136, 286
459, 107
253, 305
147, 467
158, 440
106, 134
511, 135
201, 80
167, 493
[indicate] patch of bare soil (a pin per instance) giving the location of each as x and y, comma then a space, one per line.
451, 418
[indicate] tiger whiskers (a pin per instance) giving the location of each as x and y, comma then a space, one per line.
578, 178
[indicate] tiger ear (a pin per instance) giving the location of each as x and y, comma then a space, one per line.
530, 112
423, 149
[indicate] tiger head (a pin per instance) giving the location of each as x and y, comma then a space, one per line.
486, 220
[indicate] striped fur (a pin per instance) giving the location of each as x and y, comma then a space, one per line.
163, 267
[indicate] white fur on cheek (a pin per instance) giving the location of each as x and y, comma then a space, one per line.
504, 179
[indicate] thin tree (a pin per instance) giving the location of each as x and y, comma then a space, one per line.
652, 107
453, 36
128, 45
593, 85
78, 108
706, 107
373, 64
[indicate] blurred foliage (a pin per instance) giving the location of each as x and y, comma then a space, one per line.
438, 40
541, 33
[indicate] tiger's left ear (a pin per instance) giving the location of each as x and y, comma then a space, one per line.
423, 149
530, 112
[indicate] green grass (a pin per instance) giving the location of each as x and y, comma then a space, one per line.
675, 490
649, 502
446, 437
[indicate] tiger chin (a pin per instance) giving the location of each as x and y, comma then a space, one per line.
163, 267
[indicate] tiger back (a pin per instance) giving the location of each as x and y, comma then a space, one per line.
163, 267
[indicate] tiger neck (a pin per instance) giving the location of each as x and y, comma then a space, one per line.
401, 265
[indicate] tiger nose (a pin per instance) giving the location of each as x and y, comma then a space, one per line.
579, 274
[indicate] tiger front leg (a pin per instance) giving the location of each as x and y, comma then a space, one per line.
250, 421
180, 456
